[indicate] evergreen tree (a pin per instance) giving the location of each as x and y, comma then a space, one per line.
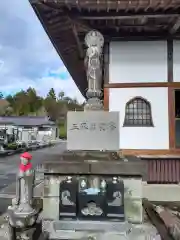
28, 103
51, 94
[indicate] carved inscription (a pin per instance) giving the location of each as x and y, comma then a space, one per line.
110, 126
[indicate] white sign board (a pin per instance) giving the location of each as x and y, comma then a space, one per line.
96, 130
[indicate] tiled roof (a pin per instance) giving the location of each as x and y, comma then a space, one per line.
26, 121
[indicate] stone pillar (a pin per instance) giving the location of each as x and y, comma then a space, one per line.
93, 63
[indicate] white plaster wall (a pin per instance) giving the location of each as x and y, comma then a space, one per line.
176, 61
138, 61
156, 137
3, 126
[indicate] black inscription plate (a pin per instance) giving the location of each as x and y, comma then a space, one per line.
68, 203
115, 199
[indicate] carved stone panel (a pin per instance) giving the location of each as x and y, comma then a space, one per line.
93, 131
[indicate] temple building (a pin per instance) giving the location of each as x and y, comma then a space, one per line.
140, 68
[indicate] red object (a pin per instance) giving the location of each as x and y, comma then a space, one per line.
26, 155
28, 166
24, 168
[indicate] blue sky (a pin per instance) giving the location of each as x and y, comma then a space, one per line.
27, 57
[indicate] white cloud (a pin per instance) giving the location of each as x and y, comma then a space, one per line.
42, 86
68, 86
27, 58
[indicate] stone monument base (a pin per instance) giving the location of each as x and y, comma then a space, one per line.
94, 165
98, 230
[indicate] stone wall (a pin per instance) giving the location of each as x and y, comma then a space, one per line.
133, 200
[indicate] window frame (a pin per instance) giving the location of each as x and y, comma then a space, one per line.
148, 106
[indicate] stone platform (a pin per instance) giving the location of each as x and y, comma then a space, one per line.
100, 230
94, 162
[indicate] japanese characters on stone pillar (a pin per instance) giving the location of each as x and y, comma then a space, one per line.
93, 63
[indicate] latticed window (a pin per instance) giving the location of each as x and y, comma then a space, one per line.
138, 113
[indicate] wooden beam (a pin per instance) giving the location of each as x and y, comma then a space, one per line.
67, 4
176, 26
69, 25
111, 17
74, 65
144, 36
168, 4
120, 15
143, 85
53, 14
86, 27
106, 99
79, 46
148, 153
170, 60
149, 5
106, 64
70, 48
171, 113
140, 25
59, 28
125, 35
57, 19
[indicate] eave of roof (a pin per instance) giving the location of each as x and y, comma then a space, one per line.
26, 121
67, 21
64, 42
